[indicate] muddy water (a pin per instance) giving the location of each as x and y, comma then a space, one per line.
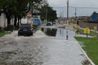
22, 51
38, 50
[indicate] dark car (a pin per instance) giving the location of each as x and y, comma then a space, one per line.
25, 30
49, 24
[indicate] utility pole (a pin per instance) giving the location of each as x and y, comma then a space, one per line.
67, 11
67, 19
77, 22
76, 14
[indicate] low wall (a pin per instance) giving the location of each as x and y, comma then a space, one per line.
90, 25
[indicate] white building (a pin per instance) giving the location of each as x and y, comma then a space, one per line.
3, 20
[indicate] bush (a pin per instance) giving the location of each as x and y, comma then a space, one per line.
9, 28
1, 29
42, 29
48, 32
51, 32
35, 26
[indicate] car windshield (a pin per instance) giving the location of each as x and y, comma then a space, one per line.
25, 26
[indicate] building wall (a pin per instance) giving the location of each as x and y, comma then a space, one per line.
90, 25
3, 20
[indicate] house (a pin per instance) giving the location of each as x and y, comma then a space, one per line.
94, 18
3, 20
89, 21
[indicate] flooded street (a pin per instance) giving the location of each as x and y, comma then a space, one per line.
39, 50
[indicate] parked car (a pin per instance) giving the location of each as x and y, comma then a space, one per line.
49, 24
25, 30
36, 23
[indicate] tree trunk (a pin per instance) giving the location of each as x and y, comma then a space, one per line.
8, 16
8, 21
15, 22
19, 20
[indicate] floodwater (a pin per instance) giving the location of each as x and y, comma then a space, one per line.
39, 50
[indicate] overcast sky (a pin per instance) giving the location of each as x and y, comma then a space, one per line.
59, 5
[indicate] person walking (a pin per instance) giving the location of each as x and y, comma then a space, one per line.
67, 35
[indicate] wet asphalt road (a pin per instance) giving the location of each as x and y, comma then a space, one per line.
39, 50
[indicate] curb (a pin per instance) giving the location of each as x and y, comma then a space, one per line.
85, 54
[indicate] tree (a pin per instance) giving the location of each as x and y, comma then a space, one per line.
51, 14
48, 13
16, 8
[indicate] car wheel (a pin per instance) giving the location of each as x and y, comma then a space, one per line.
18, 34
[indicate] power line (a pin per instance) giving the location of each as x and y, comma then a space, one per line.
85, 7
77, 7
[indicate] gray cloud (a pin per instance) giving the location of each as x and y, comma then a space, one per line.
75, 3
89, 3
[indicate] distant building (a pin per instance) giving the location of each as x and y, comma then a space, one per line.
84, 18
94, 18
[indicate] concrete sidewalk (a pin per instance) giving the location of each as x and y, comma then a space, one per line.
64, 52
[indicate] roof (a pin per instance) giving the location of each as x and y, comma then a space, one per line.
94, 17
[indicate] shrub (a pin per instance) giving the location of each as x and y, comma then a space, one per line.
42, 29
51, 32
9, 28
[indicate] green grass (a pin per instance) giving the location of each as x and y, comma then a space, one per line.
91, 47
3, 33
